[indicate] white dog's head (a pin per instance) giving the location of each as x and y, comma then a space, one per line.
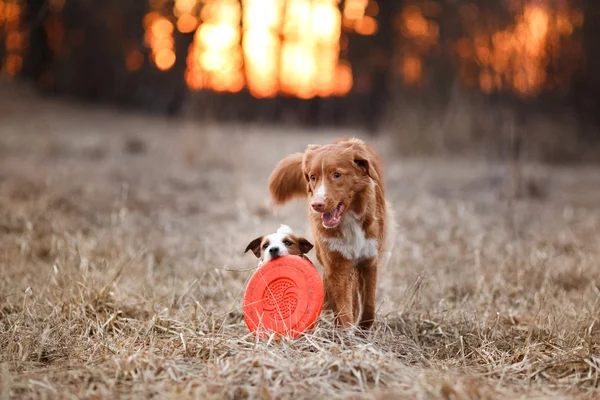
281, 243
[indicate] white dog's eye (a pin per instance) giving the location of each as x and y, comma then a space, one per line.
265, 246
337, 175
287, 243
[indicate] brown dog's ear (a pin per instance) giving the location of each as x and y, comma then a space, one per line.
365, 164
363, 158
255, 246
304, 245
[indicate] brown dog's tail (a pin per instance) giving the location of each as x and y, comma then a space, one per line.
287, 179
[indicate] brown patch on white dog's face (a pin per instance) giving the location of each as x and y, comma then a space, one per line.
281, 243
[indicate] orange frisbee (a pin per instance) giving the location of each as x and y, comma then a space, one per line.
284, 296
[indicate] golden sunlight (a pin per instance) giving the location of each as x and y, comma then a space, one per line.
215, 57
270, 47
359, 16
517, 57
14, 37
159, 38
310, 48
422, 35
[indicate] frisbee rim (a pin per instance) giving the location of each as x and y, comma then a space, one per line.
310, 296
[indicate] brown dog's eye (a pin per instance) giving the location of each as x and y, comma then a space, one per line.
312, 178
337, 175
287, 243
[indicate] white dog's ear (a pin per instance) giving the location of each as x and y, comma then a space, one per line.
304, 245
255, 246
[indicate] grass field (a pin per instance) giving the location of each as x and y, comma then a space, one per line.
122, 269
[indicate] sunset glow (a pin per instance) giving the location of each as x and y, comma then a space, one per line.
421, 35
310, 49
299, 48
186, 13
134, 59
516, 58
270, 47
262, 21
215, 57
359, 16
159, 38
14, 37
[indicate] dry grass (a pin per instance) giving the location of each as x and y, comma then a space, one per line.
478, 126
121, 270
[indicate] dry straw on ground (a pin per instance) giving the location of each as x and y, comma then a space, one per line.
122, 270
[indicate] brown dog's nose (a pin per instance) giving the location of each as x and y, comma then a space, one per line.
318, 206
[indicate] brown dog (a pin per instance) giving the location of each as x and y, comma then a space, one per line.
344, 185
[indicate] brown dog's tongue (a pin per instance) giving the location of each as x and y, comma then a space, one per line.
327, 218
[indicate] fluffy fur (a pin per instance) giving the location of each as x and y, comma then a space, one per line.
343, 182
281, 243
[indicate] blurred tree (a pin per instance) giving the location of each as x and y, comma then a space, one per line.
39, 56
586, 88
82, 52
95, 50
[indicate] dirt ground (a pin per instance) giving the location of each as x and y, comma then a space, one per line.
122, 268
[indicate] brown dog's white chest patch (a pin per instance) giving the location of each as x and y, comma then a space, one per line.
352, 244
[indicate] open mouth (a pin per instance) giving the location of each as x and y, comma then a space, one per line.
332, 219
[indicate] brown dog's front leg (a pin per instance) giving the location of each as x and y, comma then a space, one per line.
339, 281
368, 279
